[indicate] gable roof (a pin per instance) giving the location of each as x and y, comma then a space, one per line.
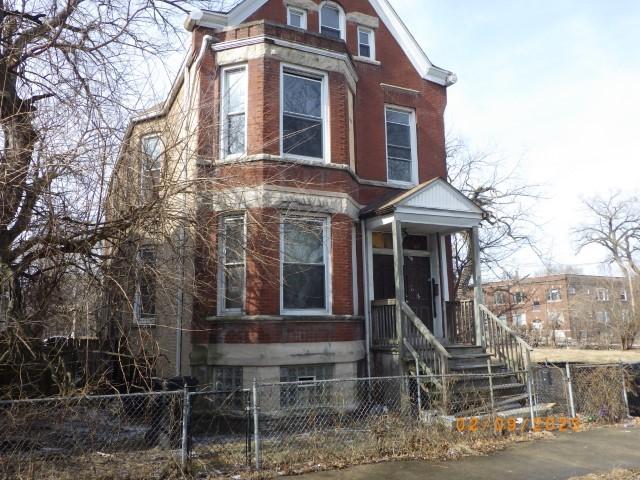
434, 195
427, 70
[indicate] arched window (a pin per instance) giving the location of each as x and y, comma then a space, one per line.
332, 20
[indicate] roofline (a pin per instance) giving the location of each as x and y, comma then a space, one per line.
388, 15
545, 278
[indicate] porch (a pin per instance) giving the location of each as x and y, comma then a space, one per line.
414, 323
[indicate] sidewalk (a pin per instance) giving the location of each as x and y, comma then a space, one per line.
559, 458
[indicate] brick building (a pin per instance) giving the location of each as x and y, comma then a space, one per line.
320, 128
578, 307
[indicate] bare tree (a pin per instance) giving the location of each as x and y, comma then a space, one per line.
507, 201
68, 73
613, 225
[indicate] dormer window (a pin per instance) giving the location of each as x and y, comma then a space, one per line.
332, 21
297, 17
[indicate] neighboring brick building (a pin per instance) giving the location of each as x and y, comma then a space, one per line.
579, 306
320, 127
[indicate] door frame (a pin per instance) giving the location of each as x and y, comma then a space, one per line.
436, 274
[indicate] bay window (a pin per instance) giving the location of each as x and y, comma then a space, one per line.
232, 264
233, 112
304, 260
303, 114
401, 145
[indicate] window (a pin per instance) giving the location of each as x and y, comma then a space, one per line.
536, 305
520, 319
500, 298
602, 317
366, 43
144, 304
556, 318
602, 294
309, 390
234, 112
401, 134
304, 265
519, 298
537, 324
554, 295
332, 21
233, 264
152, 150
297, 17
571, 291
226, 379
623, 296
303, 115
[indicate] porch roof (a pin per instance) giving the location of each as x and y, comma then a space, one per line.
435, 202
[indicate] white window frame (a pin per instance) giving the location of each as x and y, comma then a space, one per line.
624, 297
342, 18
602, 294
519, 298
520, 319
222, 310
372, 42
328, 270
414, 146
146, 321
499, 298
223, 113
143, 171
298, 11
554, 289
326, 137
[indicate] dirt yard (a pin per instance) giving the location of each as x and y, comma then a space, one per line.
615, 475
574, 355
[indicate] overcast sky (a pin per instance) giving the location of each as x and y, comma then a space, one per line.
553, 85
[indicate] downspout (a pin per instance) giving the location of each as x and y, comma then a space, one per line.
206, 41
365, 288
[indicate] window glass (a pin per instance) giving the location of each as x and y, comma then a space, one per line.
330, 22
233, 263
296, 18
364, 43
303, 265
234, 114
302, 116
145, 298
399, 145
309, 390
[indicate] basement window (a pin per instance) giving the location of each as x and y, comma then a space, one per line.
305, 386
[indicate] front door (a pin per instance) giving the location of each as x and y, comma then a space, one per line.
418, 289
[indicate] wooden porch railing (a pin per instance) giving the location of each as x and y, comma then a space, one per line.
461, 328
383, 324
432, 356
505, 344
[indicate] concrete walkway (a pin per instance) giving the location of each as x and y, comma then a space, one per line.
559, 458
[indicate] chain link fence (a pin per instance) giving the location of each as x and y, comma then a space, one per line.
284, 426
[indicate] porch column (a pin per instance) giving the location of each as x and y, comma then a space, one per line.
398, 270
477, 284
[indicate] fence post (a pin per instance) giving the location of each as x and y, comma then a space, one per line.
532, 412
419, 394
186, 408
491, 395
624, 390
256, 426
572, 405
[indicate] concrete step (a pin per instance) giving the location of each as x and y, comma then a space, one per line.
463, 349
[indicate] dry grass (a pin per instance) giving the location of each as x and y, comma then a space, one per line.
617, 474
574, 355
